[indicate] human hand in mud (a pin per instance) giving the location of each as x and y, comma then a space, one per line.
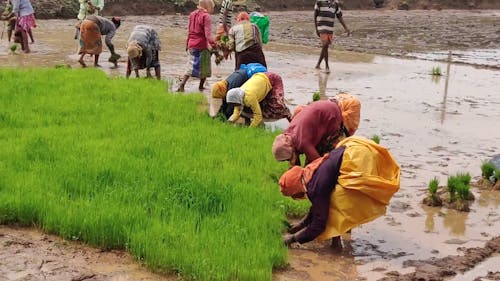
295, 228
288, 240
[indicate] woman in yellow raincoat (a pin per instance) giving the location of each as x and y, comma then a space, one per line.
349, 186
263, 93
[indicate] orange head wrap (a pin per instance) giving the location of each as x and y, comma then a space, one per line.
219, 89
243, 16
291, 181
351, 111
295, 181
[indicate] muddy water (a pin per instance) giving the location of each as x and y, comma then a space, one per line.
434, 127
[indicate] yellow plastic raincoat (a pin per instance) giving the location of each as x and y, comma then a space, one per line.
369, 176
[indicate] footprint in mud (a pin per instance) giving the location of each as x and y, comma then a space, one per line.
399, 207
392, 222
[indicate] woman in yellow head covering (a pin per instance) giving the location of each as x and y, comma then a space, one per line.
350, 186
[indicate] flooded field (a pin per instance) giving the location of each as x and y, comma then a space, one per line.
434, 127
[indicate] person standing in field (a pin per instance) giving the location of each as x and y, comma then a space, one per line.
23, 10
226, 11
325, 12
91, 30
143, 46
88, 8
10, 18
198, 44
246, 41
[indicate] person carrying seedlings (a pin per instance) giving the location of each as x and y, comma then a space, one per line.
143, 46
225, 14
91, 30
246, 41
25, 14
9, 17
198, 44
220, 89
347, 187
263, 94
325, 12
88, 8
315, 128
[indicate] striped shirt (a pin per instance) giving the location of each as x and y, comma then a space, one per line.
325, 12
226, 5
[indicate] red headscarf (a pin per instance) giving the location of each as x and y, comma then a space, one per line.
243, 16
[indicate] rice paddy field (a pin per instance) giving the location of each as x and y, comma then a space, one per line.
123, 164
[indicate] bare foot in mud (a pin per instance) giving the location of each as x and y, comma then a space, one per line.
97, 65
82, 63
180, 90
337, 243
327, 70
317, 67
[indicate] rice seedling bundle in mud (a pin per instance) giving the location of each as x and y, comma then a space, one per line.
433, 198
490, 175
122, 164
456, 194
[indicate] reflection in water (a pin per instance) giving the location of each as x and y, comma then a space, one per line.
455, 221
443, 113
322, 81
429, 220
489, 197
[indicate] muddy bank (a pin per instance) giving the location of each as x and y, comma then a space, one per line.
30, 255
442, 268
65, 9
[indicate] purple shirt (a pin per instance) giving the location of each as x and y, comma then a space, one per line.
312, 126
319, 191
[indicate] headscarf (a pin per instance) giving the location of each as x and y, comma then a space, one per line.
242, 16
219, 89
296, 179
206, 4
134, 50
351, 111
282, 147
291, 181
235, 95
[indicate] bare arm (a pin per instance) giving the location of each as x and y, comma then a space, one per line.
341, 20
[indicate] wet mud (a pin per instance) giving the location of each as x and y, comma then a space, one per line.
434, 127
31, 255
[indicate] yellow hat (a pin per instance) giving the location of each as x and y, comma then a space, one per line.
134, 50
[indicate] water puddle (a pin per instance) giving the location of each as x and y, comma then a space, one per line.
485, 57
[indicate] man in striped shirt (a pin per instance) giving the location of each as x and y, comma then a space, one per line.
325, 12
226, 10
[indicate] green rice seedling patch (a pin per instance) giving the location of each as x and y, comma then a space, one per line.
122, 164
